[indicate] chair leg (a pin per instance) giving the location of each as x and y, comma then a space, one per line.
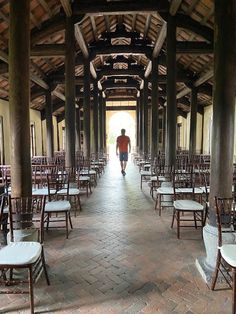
178, 224
44, 267
31, 290
159, 204
173, 218
67, 231
214, 278
234, 291
70, 220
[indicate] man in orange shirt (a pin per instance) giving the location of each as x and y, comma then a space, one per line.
122, 143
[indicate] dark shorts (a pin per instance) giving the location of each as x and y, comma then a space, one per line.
123, 156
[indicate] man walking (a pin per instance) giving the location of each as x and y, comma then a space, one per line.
122, 143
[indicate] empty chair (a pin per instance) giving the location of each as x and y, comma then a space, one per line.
21, 254
186, 208
58, 207
226, 252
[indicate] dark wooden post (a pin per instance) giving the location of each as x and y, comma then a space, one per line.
223, 103
193, 123
154, 117
95, 116
141, 122
145, 117
170, 145
19, 96
78, 128
137, 123
58, 136
163, 129
70, 93
86, 121
49, 124
104, 124
100, 123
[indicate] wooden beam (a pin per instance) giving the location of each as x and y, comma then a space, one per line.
121, 50
81, 42
46, 7
147, 25
94, 27
194, 47
175, 4
117, 108
101, 7
134, 21
35, 21
107, 22
157, 48
59, 95
67, 7
120, 72
48, 50
37, 80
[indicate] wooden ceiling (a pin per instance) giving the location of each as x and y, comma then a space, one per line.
96, 23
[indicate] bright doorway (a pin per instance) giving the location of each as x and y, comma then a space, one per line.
117, 120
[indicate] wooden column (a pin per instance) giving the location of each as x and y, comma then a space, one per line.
19, 97
137, 123
170, 145
193, 123
49, 125
104, 124
163, 129
101, 146
154, 117
223, 102
141, 122
70, 93
145, 117
78, 128
58, 136
86, 122
95, 116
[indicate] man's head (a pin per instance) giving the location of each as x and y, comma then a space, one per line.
123, 131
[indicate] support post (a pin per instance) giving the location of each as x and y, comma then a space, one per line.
95, 116
141, 122
222, 148
49, 125
86, 121
145, 118
137, 124
101, 145
19, 96
170, 145
154, 117
70, 93
78, 128
193, 123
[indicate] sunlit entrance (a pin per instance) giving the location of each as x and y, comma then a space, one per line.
117, 120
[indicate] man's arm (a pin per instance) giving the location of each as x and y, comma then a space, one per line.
117, 146
129, 146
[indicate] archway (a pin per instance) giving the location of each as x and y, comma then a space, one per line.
116, 122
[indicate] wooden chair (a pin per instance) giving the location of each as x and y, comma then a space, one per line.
186, 208
21, 254
226, 253
58, 207
4, 210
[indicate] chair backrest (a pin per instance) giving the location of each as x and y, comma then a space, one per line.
183, 180
225, 216
3, 201
26, 213
57, 182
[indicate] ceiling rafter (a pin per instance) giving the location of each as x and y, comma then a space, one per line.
94, 27
147, 25
46, 7
66, 7
175, 4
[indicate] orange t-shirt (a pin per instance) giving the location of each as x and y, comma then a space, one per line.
123, 142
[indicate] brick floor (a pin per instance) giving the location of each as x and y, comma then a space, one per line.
121, 257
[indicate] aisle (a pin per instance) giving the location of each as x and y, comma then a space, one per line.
121, 257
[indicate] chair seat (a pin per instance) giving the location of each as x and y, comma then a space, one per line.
188, 205
57, 206
145, 173
154, 178
84, 178
20, 253
165, 190
43, 191
190, 190
72, 191
6, 210
228, 252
